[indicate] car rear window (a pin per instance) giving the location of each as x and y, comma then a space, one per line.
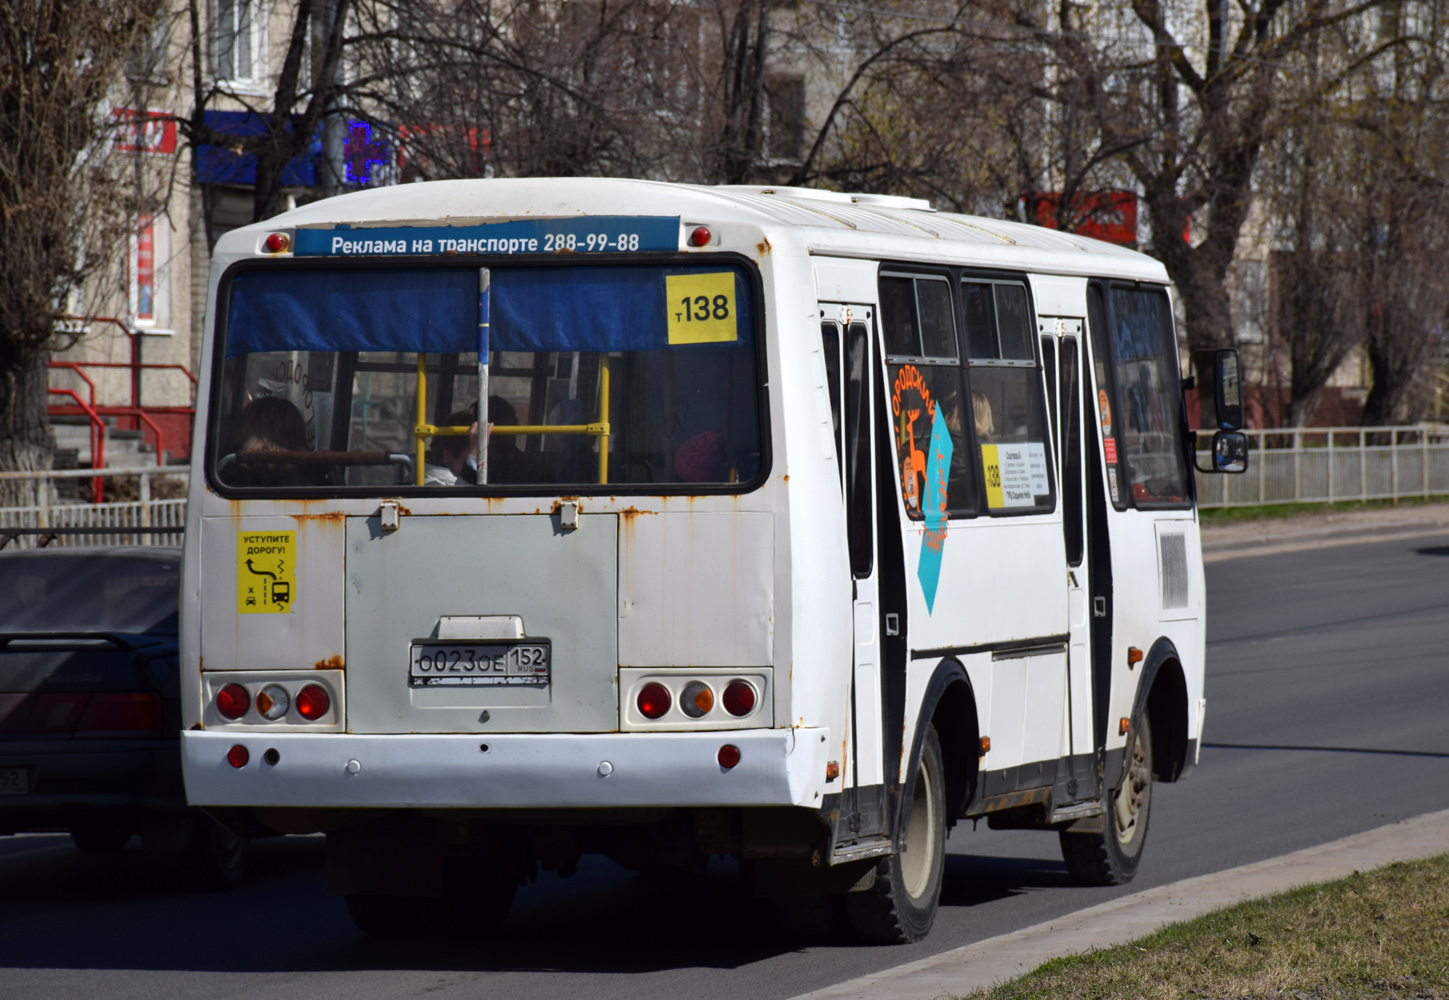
51, 592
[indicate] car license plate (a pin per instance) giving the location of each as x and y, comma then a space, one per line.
479, 664
14, 781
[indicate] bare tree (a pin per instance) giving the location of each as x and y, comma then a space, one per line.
64, 208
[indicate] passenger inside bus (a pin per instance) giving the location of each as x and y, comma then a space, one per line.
454, 450
985, 420
269, 424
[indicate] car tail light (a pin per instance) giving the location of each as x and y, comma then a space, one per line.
273, 702
696, 700
728, 756
313, 702
237, 756
232, 701
116, 711
739, 698
653, 700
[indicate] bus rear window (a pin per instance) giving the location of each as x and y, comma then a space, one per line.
596, 376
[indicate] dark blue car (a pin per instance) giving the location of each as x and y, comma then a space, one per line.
90, 709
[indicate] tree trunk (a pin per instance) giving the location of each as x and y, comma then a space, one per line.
26, 443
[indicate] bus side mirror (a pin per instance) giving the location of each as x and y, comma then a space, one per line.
1230, 453
1220, 392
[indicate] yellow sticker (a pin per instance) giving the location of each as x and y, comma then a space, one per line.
266, 572
991, 466
701, 308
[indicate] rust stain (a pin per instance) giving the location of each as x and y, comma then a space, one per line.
785, 478
337, 516
764, 246
629, 513
333, 662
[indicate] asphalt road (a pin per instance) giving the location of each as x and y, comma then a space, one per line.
1328, 679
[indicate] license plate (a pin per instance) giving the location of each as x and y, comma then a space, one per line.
479, 664
14, 781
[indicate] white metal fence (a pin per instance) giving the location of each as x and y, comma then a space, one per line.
1302, 465
48, 521
1325, 464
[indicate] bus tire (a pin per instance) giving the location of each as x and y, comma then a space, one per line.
216, 858
1111, 856
901, 906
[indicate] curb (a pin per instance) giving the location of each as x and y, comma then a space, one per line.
985, 963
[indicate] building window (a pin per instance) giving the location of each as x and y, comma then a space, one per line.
238, 44
786, 99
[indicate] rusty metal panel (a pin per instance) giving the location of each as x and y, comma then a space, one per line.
697, 590
562, 584
308, 633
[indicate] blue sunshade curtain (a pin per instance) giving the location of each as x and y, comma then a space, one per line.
436, 309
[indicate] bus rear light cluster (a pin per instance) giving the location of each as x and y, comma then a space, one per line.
697, 699
281, 700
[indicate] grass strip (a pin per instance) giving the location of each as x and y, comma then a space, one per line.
1378, 934
1273, 511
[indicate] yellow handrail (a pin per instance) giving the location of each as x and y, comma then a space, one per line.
422, 430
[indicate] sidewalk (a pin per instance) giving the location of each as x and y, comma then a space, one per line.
961, 970
1271, 536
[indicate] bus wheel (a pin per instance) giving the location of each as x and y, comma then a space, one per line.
901, 906
216, 858
1111, 857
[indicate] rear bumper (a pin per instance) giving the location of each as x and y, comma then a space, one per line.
777, 767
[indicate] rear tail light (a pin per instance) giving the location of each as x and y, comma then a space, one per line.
232, 701
739, 698
728, 756
697, 699
313, 702
114, 712
653, 700
273, 702
237, 756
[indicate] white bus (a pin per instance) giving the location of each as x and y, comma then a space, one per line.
793, 526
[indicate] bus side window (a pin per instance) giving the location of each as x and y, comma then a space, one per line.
926, 387
830, 345
859, 483
1008, 400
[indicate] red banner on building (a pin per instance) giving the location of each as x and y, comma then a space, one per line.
1110, 216
146, 270
144, 131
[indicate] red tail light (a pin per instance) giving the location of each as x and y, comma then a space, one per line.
120, 711
729, 756
653, 700
739, 698
237, 756
232, 701
313, 702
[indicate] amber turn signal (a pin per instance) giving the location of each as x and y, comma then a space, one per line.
1123, 726
1134, 655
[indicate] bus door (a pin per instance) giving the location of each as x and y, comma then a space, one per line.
1062, 339
845, 332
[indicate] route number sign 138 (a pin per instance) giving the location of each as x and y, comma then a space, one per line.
701, 308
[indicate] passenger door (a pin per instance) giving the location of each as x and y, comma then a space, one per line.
1064, 334
845, 332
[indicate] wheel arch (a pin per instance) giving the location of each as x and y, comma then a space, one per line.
949, 703
1162, 696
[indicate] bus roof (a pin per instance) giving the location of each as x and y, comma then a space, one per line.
832, 223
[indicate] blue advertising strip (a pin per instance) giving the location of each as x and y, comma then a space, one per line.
584, 235
933, 540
